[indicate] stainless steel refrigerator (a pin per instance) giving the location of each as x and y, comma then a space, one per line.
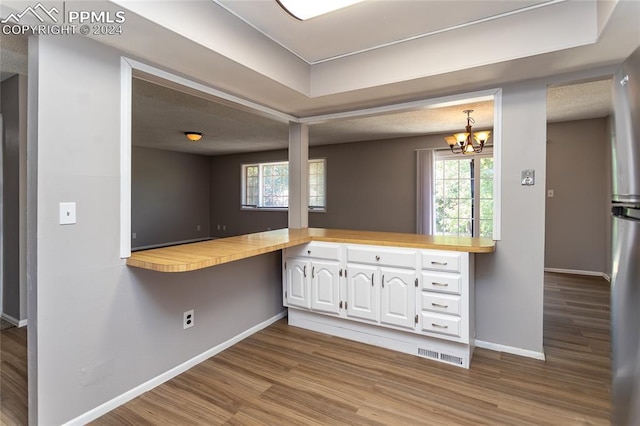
625, 278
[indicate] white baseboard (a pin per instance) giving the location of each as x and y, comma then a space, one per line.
510, 350
578, 272
14, 321
168, 375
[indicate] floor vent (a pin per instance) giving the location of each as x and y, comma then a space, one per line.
451, 359
439, 356
428, 353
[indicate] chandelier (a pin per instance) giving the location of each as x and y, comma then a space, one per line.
462, 143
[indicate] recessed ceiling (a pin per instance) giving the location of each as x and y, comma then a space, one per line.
367, 25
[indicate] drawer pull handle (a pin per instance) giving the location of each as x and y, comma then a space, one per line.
439, 305
377, 257
433, 262
440, 284
433, 324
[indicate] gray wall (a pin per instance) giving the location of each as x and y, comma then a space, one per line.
169, 196
226, 185
510, 282
102, 328
370, 185
577, 220
14, 114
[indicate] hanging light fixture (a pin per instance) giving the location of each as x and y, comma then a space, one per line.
462, 143
193, 136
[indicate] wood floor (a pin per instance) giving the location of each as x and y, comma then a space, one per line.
288, 376
13, 376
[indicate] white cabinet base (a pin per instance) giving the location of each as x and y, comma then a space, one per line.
452, 353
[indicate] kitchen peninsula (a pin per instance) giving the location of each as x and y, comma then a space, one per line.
406, 292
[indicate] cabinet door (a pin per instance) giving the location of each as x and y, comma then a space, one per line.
398, 297
325, 286
362, 292
297, 282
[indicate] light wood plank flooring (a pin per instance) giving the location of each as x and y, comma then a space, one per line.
284, 375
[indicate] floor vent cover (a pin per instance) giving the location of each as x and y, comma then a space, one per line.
450, 359
428, 353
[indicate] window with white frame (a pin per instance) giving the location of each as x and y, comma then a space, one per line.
266, 185
463, 194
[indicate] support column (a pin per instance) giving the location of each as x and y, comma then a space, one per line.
298, 175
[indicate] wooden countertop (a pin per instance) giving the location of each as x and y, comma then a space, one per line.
189, 257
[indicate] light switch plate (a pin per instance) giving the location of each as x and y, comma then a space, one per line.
67, 213
528, 177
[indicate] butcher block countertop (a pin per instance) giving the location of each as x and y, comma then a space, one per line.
193, 256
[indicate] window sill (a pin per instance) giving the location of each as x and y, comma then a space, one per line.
276, 209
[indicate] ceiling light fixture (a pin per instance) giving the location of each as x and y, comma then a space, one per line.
462, 143
307, 9
193, 136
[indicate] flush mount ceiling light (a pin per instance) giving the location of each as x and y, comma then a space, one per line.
462, 143
193, 136
307, 9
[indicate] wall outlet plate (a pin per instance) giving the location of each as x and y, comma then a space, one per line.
528, 177
187, 319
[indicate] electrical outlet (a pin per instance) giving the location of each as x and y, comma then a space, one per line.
218, 227
134, 236
224, 227
187, 319
198, 228
550, 193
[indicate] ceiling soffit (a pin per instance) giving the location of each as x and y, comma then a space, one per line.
526, 32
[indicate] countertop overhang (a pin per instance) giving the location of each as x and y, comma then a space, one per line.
193, 256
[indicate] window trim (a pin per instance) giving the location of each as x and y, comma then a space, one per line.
243, 187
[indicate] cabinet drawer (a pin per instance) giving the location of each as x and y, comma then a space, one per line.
382, 256
315, 250
441, 261
442, 303
443, 283
442, 324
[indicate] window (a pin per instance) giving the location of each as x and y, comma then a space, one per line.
266, 185
463, 195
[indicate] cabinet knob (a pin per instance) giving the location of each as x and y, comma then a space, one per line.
377, 257
308, 251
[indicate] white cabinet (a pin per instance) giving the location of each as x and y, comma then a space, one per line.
398, 297
412, 300
325, 286
381, 285
310, 282
297, 288
362, 292
445, 295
